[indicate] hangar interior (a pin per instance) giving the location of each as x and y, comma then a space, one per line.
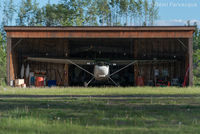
161, 61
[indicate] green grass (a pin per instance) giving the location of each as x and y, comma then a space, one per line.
101, 91
97, 115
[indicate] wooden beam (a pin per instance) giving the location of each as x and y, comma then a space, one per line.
12, 69
8, 59
190, 51
100, 34
10, 63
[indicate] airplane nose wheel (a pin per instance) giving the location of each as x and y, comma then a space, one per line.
87, 83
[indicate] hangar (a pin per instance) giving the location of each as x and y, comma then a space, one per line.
67, 56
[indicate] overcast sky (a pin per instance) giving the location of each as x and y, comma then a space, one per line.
171, 12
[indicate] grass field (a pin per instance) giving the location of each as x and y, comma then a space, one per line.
112, 111
101, 91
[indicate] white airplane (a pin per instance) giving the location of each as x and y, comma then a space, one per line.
101, 68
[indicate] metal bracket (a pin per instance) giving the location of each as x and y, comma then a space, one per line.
182, 44
17, 43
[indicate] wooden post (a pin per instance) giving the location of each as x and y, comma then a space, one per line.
135, 50
190, 53
8, 60
66, 75
66, 68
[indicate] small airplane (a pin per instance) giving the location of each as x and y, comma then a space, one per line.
101, 67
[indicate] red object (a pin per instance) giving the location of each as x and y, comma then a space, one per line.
140, 81
168, 84
39, 81
186, 77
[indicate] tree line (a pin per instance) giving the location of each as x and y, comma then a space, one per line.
81, 13
196, 55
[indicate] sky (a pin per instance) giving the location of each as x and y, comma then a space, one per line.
171, 12
177, 12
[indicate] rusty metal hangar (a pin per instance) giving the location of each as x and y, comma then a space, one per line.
149, 56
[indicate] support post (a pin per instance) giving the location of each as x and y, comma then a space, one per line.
135, 53
66, 75
190, 53
8, 60
66, 67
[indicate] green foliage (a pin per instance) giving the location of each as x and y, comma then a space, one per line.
196, 56
153, 13
88, 12
91, 14
2, 60
103, 11
7, 16
29, 14
8, 12
49, 13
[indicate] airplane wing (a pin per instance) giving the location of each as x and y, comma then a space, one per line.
93, 62
61, 61
126, 62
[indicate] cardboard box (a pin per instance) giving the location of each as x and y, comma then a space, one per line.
19, 82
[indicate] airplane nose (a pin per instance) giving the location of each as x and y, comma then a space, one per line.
101, 72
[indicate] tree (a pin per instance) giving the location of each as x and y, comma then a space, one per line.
29, 14
91, 14
36, 15
124, 10
8, 14
132, 11
8, 11
139, 11
103, 11
153, 13
64, 15
196, 55
49, 13
24, 13
2, 58
146, 12
115, 8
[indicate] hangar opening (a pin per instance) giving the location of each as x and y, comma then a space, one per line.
65, 56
